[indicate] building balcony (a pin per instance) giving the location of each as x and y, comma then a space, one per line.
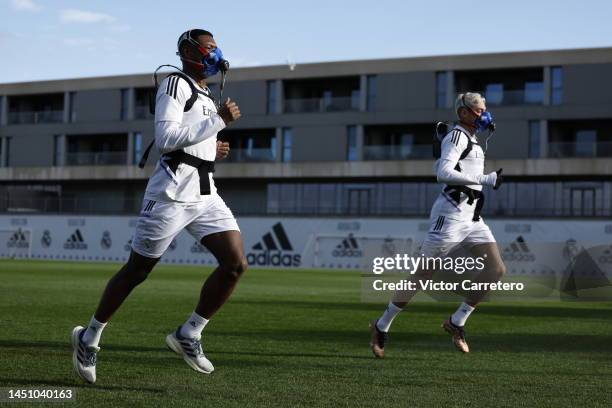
561, 150
95, 158
397, 152
514, 97
33, 117
251, 155
142, 112
334, 104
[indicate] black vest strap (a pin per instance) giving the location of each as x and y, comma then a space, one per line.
173, 159
454, 192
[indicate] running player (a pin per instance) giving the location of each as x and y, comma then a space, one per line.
181, 194
455, 218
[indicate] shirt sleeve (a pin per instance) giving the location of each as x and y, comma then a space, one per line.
170, 133
452, 146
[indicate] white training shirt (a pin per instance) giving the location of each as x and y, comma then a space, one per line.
471, 174
194, 131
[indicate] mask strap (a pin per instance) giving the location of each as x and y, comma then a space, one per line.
221, 86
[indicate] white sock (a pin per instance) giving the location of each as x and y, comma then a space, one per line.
461, 315
193, 327
92, 334
387, 317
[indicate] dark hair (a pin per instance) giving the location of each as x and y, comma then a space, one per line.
191, 35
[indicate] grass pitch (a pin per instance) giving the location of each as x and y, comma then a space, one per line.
297, 338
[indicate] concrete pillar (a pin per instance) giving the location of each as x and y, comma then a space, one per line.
279, 144
3, 152
451, 90
131, 101
547, 85
67, 108
59, 150
363, 93
4, 101
543, 138
359, 142
280, 95
129, 160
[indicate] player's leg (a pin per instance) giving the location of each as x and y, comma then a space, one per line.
85, 340
379, 328
443, 236
219, 233
158, 224
228, 248
483, 246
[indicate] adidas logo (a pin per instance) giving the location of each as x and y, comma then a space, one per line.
274, 249
349, 248
75, 241
518, 251
18, 240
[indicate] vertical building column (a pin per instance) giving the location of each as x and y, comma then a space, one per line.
543, 138
547, 86
3, 152
4, 101
279, 144
359, 142
67, 108
131, 101
130, 148
451, 90
363, 94
280, 97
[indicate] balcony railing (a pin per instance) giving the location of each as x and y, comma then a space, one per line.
252, 155
142, 112
396, 152
336, 104
50, 116
579, 149
515, 97
95, 158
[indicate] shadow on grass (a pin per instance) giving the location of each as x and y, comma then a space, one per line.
509, 309
341, 341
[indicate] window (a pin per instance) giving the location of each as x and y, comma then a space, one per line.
534, 92
556, 84
586, 141
327, 99
355, 99
534, 139
137, 139
406, 143
287, 144
124, 103
371, 95
494, 94
271, 89
351, 143
441, 84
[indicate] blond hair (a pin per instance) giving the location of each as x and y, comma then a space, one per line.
468, 100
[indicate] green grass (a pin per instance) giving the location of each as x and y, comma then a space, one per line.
297, 338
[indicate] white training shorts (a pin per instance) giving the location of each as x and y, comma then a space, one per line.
446, 233
161, 221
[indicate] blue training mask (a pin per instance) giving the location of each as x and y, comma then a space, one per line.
212, 61
484, 122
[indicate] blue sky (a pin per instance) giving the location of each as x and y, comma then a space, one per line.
42, 39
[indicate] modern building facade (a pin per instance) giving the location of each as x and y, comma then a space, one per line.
340, 138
